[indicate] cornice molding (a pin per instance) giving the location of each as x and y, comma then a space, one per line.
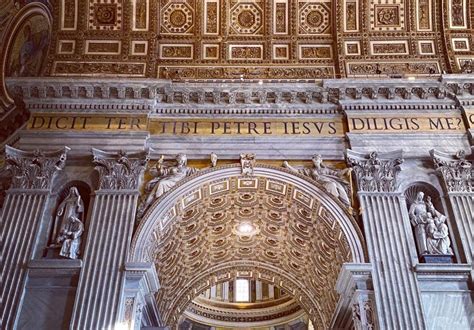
87, 94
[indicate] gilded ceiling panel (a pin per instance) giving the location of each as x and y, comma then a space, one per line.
260, 39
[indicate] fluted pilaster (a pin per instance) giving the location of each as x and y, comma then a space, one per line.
388, 236
32, 174
101, 283
456, 172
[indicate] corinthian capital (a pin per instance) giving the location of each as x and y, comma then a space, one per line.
455, 170
375, 172
119, 171
34, 169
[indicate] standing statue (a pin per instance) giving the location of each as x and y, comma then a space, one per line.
333, 180
418, 217
165, 179
71, 206
431, 231
70, 238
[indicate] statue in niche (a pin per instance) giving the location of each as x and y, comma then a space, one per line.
69, 238
68, 226
165, 179
431, 231
73, 206
333, 180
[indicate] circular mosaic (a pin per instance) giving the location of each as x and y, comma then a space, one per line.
314, 18
177, 18
246, 18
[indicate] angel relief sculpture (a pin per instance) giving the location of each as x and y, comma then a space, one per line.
164, 179
333, 180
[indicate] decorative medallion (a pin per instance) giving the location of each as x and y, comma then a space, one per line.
314, 18
246, 18
177, 18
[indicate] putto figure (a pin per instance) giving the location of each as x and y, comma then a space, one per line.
333, 180
165, 179
431, 231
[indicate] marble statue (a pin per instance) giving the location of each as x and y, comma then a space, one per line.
213, 159
437, 236
332, 180
71, 206
247, 162
431, 231
69, 238
165, 179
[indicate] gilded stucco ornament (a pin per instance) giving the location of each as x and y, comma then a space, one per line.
333, 180
34, 169
431, 231
456, 171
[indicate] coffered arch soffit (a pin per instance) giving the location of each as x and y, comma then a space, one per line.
301, 236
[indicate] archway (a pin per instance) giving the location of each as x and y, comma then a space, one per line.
300, 236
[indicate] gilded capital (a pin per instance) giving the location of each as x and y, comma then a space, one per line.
375, 172
120, 170
456, 170
34, 169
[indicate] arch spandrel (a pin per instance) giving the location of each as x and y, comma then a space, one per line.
301, 234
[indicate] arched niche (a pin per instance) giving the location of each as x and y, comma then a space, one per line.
301, 237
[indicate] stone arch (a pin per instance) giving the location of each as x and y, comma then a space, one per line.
302, 237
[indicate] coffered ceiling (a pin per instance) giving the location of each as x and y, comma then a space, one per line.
274, 39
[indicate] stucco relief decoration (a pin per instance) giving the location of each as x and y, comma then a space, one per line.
68, 226
105, 14
375, 172
165, 178
34, 169
314, 18
246, 18
29, 48
431, 231
247, 162
177, 17
118, 171
456, 171
335, 181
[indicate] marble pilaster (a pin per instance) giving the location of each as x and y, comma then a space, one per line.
32, 174
458, 181
356, 307
386, 226
102, 280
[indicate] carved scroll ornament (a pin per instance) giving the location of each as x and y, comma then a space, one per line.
34, 169
375, 172
119, 171
455, 170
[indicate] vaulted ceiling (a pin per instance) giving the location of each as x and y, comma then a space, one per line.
275, 39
